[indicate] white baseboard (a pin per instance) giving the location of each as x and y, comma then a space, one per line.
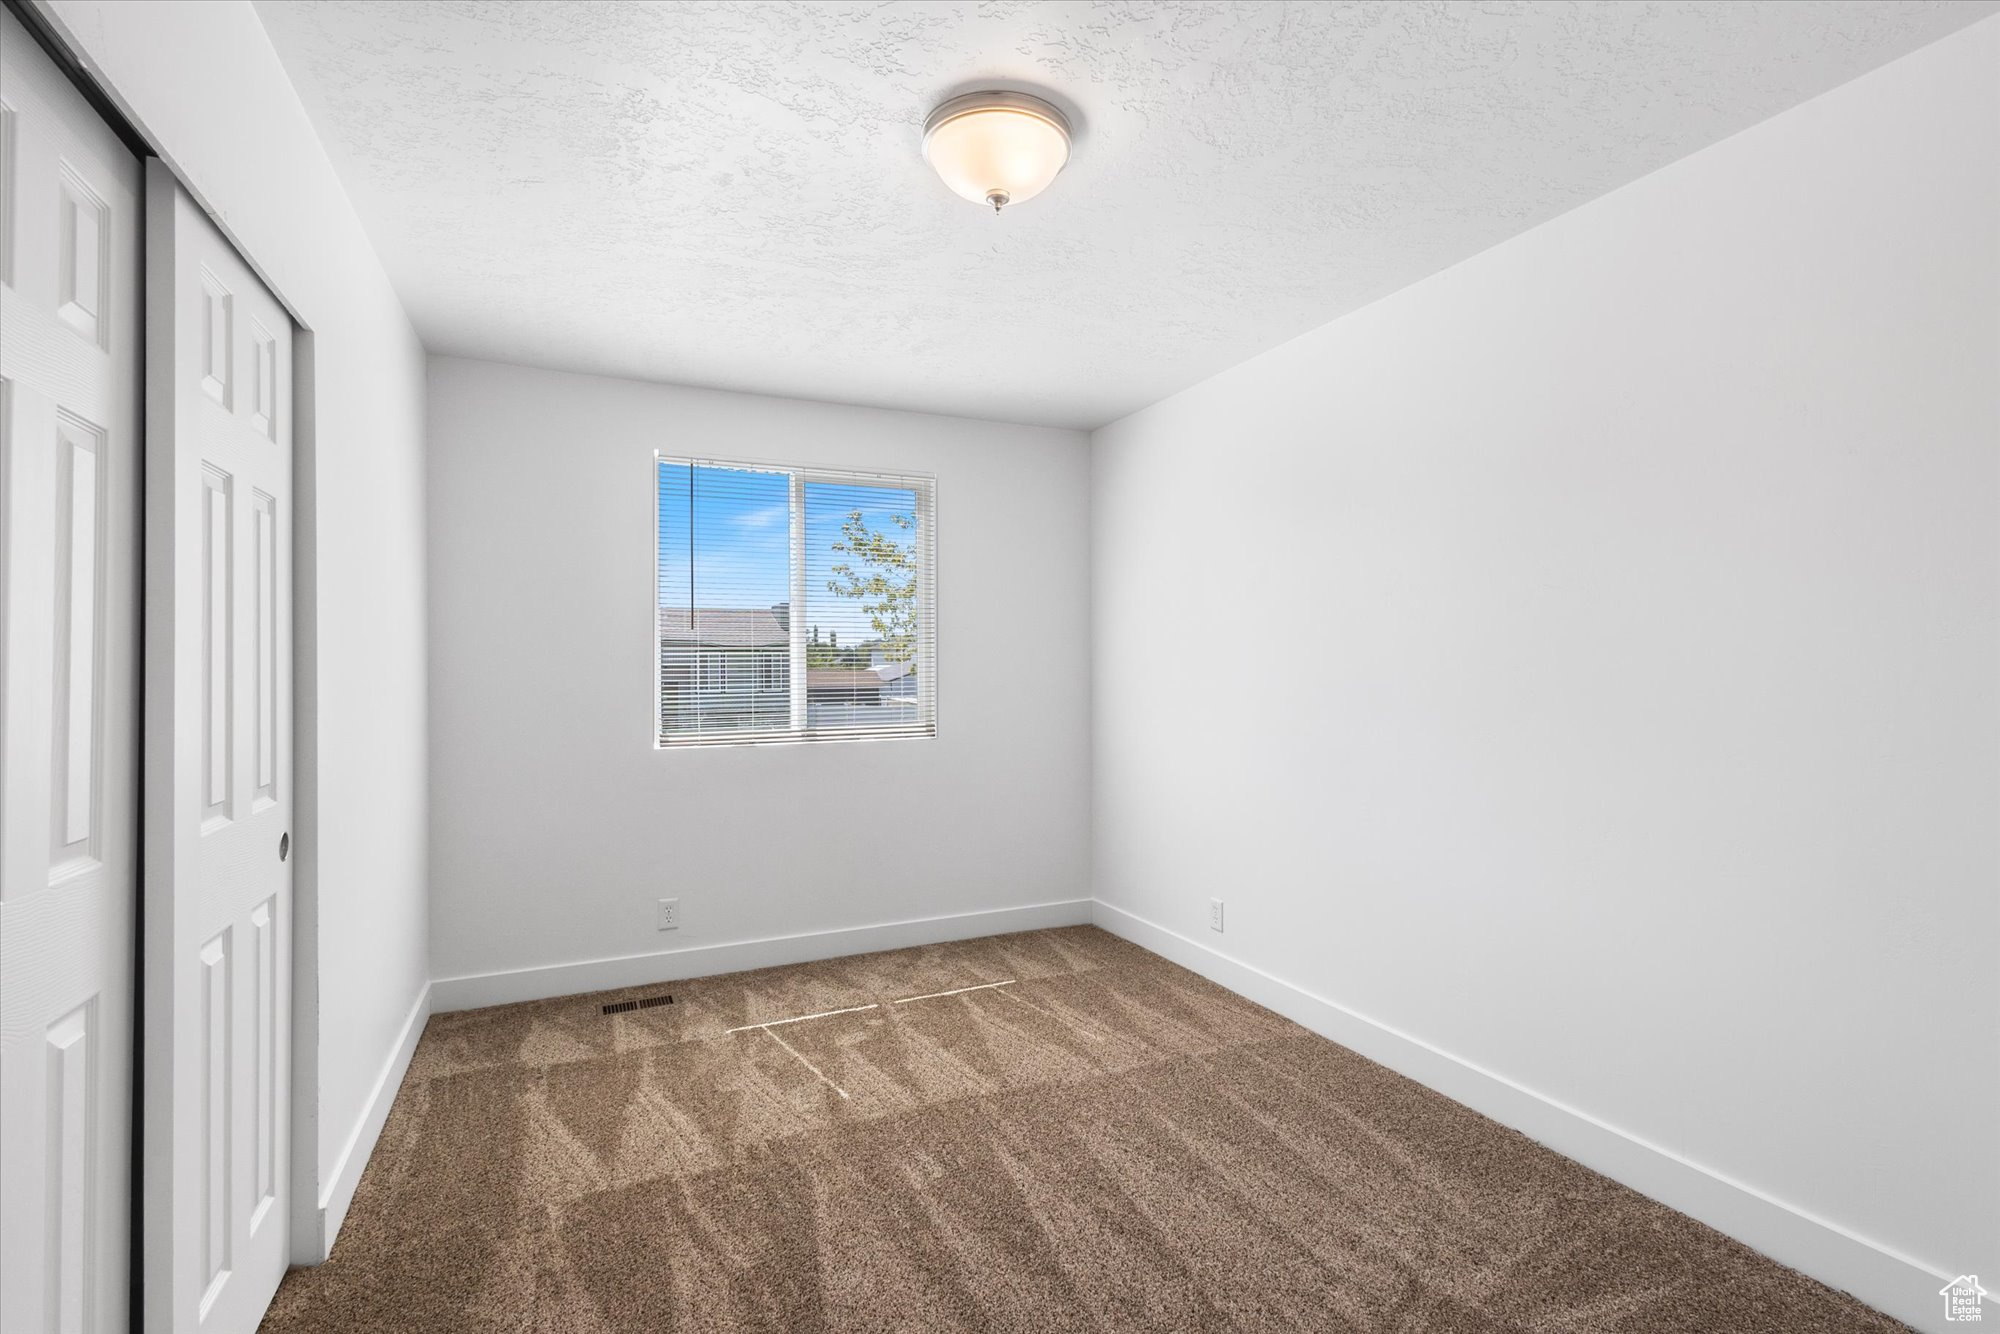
633, 970
346, 1174
1876, 1274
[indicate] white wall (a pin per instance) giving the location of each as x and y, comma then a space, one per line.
555, 822
202, 82
1602, 648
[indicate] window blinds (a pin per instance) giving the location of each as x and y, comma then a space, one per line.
793, 604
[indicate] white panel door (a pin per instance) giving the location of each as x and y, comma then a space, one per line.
69, 691
218, 784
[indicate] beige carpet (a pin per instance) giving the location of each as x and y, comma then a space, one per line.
1107, 1142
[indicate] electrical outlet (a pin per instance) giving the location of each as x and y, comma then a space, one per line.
1215, 914
670, 914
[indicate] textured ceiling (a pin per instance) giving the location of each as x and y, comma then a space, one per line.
733, 194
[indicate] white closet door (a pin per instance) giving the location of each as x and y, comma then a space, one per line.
69, 741
218, 776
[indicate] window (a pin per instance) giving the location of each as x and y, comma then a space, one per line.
793, 604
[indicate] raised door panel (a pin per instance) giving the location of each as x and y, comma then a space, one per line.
78, 696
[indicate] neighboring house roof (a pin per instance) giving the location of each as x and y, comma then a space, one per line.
726, 627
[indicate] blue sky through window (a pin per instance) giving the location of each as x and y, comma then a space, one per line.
738, 532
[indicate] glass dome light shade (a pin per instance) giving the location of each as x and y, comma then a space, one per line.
996, 148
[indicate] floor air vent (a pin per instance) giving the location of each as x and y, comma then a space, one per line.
626, 1007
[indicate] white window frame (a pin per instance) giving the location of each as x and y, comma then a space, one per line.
924, 485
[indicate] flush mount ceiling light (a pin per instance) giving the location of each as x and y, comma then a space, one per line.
996, 148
